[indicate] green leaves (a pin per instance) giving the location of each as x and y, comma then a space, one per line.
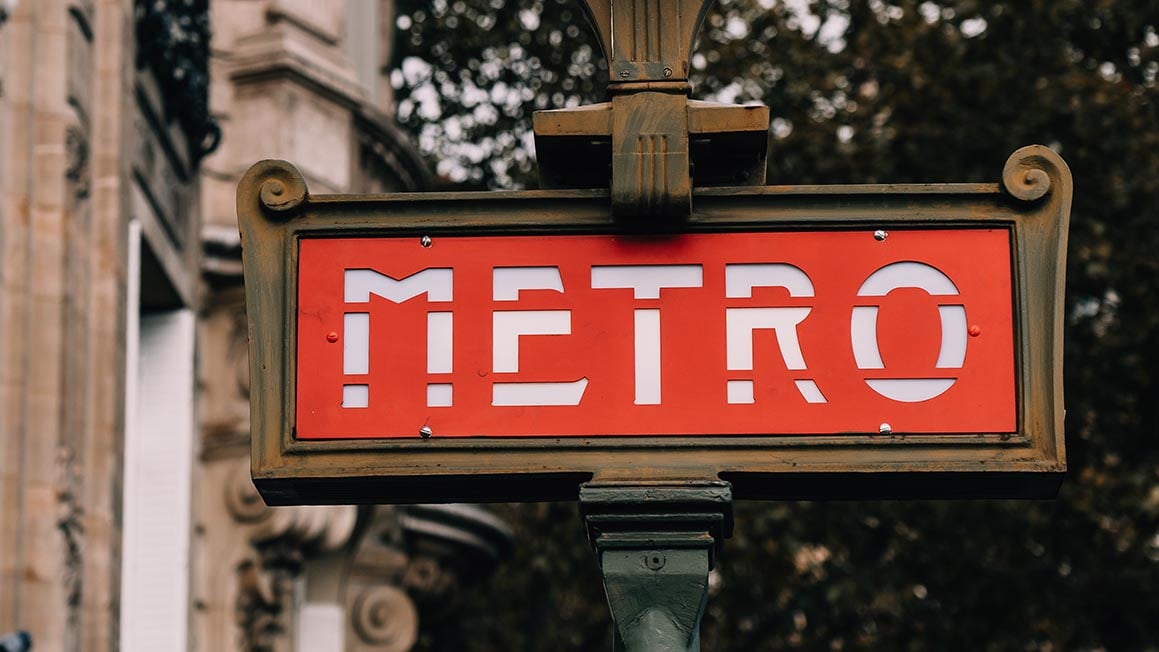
471, 72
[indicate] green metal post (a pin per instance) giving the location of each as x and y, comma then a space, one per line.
656, 544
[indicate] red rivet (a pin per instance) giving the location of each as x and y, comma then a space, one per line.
975, 330
331, 337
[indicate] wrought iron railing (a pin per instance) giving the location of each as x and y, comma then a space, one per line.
173, 42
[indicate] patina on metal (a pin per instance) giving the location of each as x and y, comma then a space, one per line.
654, 136
1032, 203
656, 544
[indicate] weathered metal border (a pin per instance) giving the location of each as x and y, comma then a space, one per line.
1033, 201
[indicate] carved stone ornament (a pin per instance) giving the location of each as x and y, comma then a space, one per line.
385, 617
449, 547
282, 539
403, 564
407, 568
77, 172
70, 523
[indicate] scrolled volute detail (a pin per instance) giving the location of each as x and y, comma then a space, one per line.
1032, 172
281, 188
385, 617
311, 528
242, 498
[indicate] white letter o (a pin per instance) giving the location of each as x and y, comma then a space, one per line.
863, 330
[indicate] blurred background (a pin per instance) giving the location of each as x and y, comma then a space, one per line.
127, 519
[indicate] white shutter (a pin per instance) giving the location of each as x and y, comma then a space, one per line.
159, 449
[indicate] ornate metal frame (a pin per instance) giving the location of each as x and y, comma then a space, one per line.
1032, 201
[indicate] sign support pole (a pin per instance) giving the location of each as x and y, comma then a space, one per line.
655, 541
656, 544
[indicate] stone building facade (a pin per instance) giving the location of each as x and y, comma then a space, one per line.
127, 519
98, 233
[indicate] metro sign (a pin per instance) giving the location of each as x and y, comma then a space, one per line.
698, 334
798, 342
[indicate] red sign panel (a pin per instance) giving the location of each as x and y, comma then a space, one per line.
699, 334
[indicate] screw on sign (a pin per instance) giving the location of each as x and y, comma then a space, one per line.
519, 336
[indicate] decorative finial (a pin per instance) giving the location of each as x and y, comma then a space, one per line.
1031, 171
281, 188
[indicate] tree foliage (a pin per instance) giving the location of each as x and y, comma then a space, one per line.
471, 72
870, 91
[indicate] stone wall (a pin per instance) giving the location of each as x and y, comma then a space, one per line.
80, 144
123, 133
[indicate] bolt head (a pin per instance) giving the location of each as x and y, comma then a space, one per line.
885, 429
426, 241
880, 235
426, 431
624, 74
655, 560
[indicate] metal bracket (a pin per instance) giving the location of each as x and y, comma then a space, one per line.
656, 544
650, 126
650, 159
